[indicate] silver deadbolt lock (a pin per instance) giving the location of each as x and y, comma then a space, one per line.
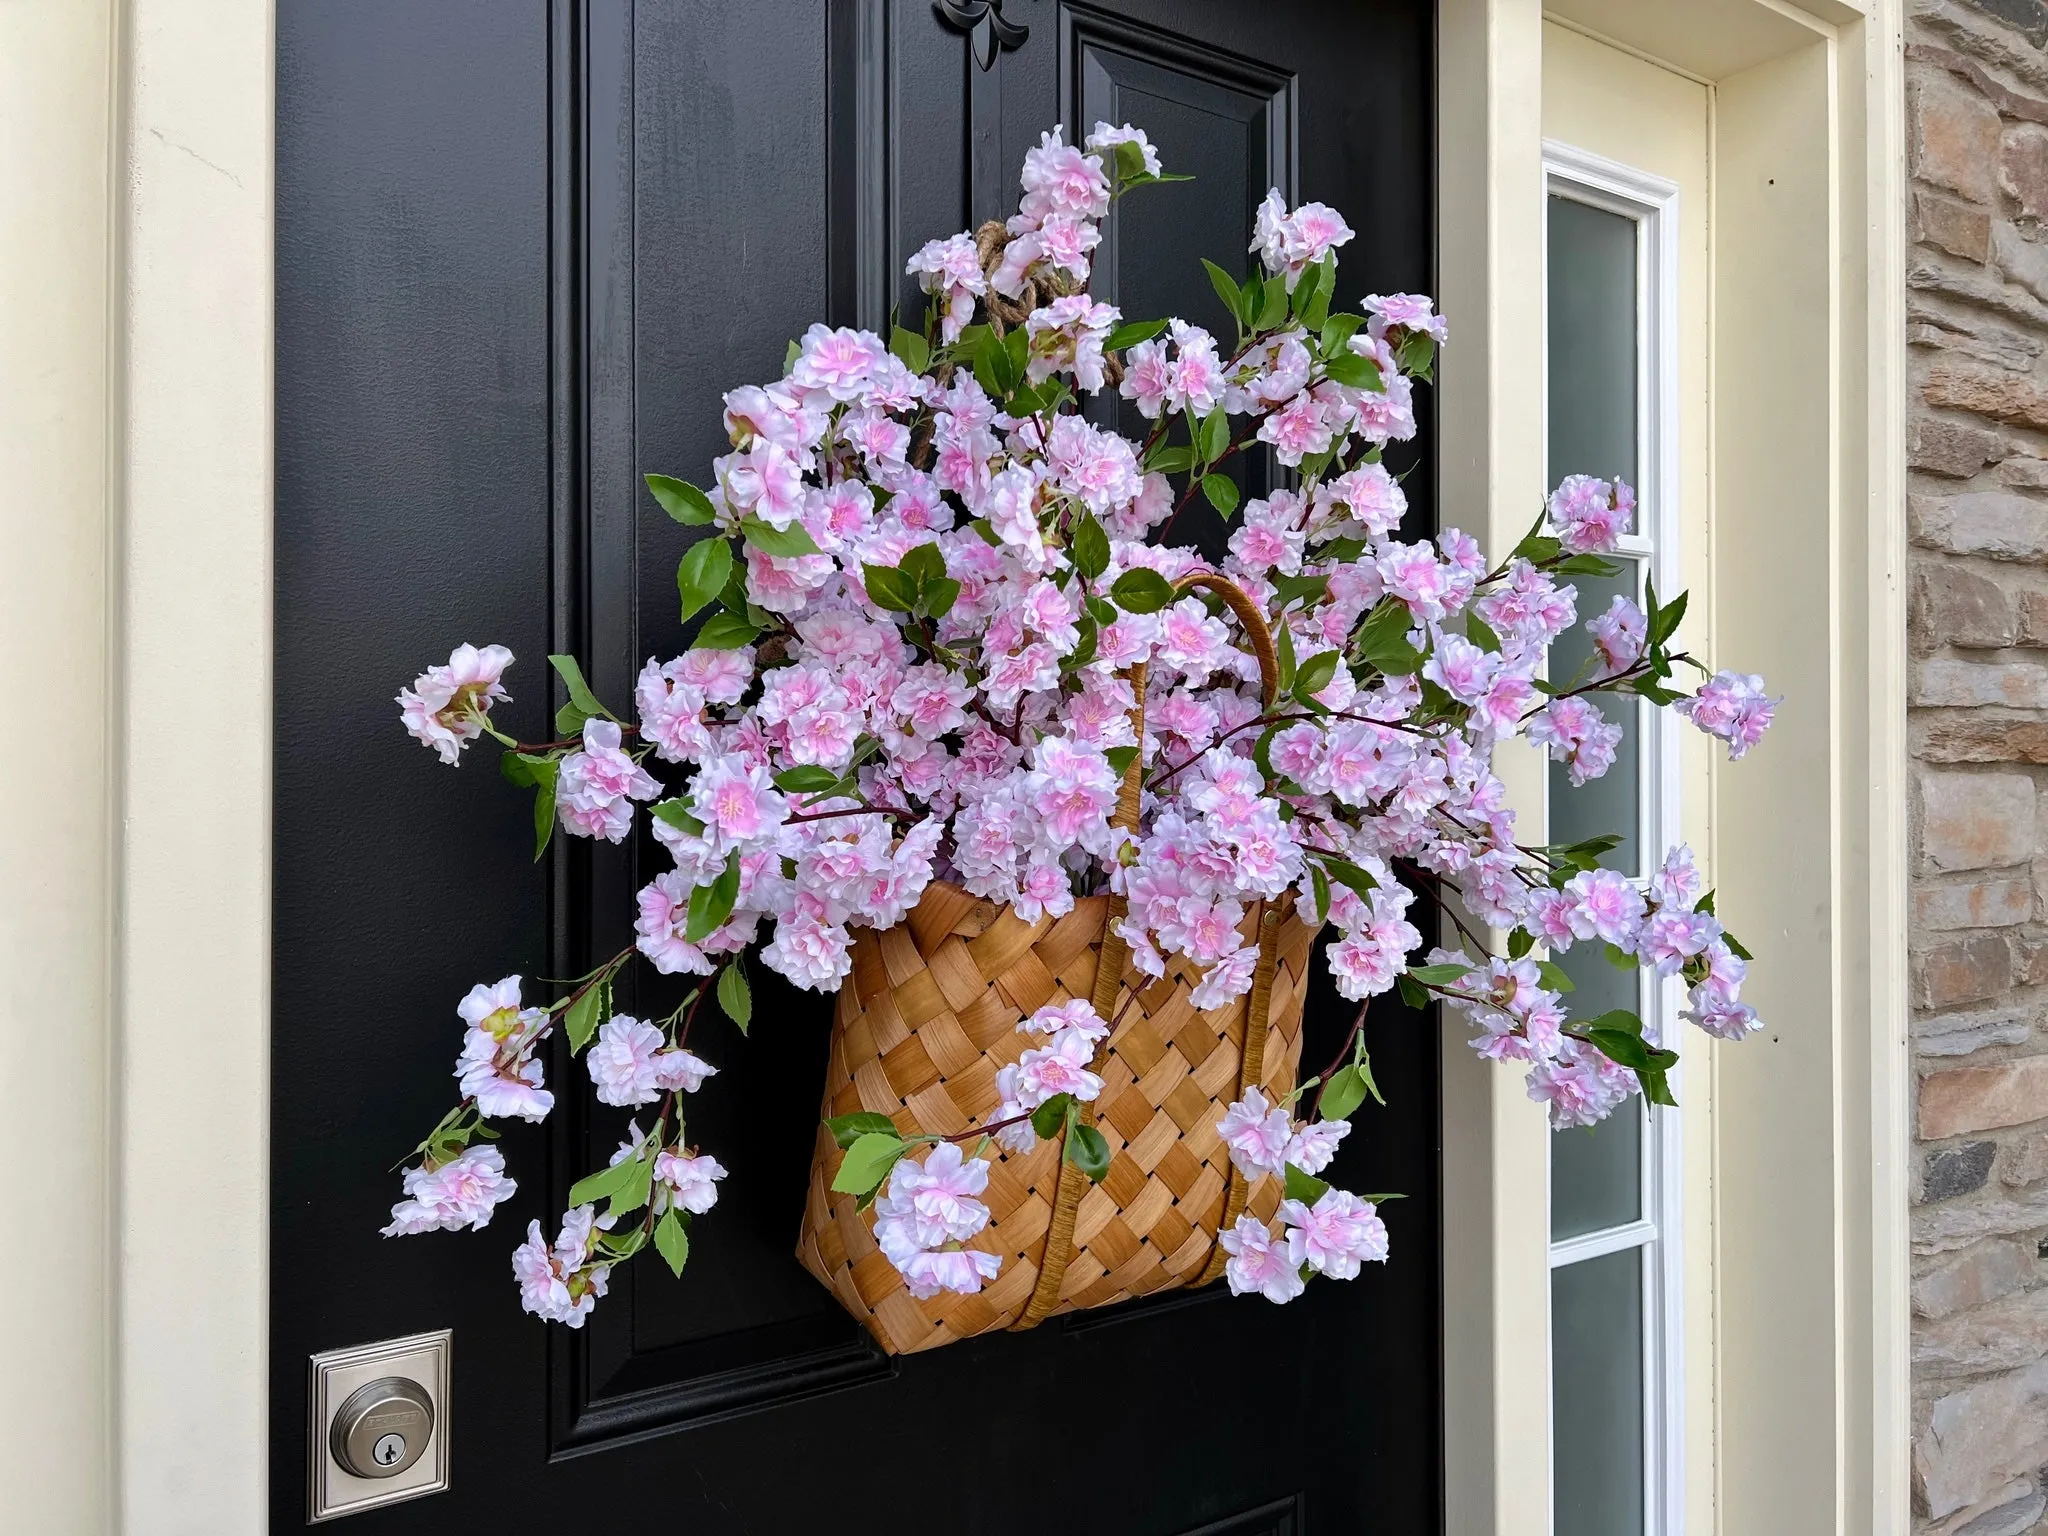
379, 1424
382, 1427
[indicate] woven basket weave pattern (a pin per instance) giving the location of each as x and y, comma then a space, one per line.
924, 1023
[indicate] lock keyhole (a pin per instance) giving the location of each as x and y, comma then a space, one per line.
382, 1427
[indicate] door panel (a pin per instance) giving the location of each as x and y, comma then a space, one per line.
522, 251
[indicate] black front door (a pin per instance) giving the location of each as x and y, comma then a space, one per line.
522, 248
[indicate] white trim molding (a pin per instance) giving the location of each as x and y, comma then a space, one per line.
1801, 1244
135, 411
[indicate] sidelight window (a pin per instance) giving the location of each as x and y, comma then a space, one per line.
1616, 1434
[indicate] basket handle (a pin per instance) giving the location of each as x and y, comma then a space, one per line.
1110, 958
1247, 613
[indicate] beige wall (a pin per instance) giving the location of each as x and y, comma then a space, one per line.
134, 600
56, 224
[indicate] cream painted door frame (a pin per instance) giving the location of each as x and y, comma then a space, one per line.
1796, 1195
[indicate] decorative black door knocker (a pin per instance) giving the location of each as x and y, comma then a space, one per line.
985, 25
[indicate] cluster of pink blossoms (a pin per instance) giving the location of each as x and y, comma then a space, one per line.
944, 614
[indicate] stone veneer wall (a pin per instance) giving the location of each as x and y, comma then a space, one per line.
1977, 436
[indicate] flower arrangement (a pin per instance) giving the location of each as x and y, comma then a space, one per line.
944, 625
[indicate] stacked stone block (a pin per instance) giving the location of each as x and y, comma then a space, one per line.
1977, 325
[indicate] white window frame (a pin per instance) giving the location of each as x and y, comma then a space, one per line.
1652, 202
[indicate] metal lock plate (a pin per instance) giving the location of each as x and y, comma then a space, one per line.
379, 1430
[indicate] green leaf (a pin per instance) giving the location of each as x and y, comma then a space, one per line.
1520, 942
677, 814
583, 1017
1221, 491
711, 905
912, 348
1129, 334
889, 587
1705, 904
579, 691
1355, 372
1089, 547
1345, 873
1120, 760
1735, 946
1337, 331
1312, 282
671, 1241
1052, 1114
603, 1184
1344, 1092
1418, 354
1314, 675
638, 1185
1620, 958
1305, 1187
868, 1162
1383, 639
847, 1129
1480, 633
806, 779
1226, 288
724, 632
1300, 589
526, 771
1141, 590
1285, 651
1619, 1019
1623, 1048
1587, 565
1084, 648
783, 543
1411, 994
1363, 1067
1273, 302
1552, 975
1440, 975
1171, 461
1320, 883
682, 500
1088, 1150
1214, 435
735, 996
940, 594
701, 575
543, 816
922, 563
1657, 1086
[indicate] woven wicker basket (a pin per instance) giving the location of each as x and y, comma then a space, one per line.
929, 1016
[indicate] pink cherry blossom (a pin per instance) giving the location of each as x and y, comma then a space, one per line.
462, 1192
1312, 1147
1061, 1067
559, 1283
621, 1061
446, 707
692, 1181
1257, 1134
1339, 1234
1589, 514
1258, 1264
1732, 706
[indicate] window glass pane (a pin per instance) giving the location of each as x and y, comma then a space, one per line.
1596, 1171
1596, 1405
1612, 802
1592, 342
